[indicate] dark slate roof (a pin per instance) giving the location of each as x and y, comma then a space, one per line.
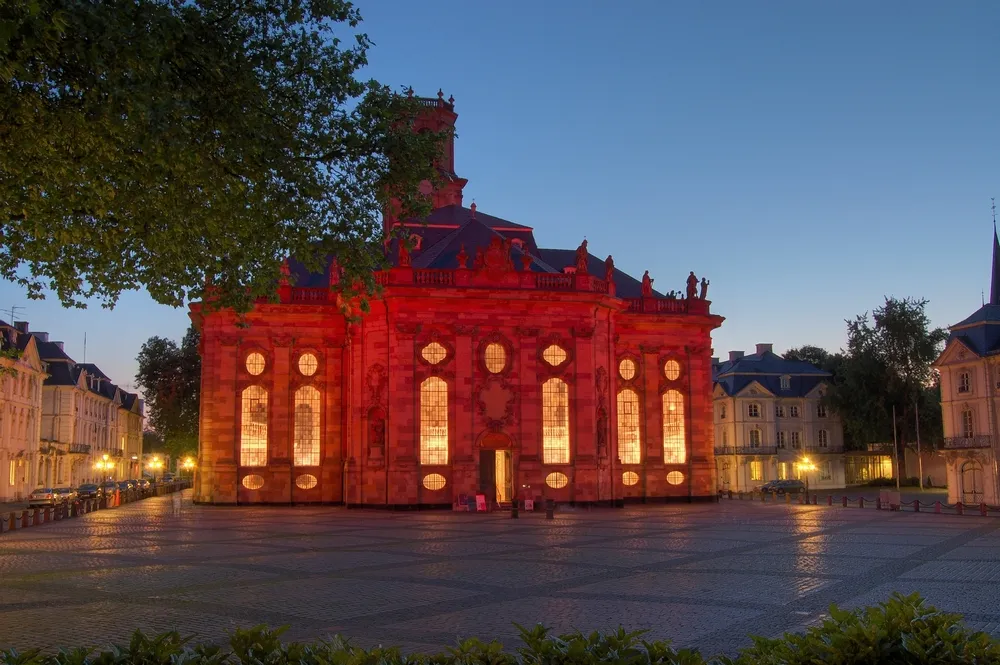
767, 369
985, 314
456, 215
49, 351
62, 374
94, 370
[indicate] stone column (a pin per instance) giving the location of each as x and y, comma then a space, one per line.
279, 426
463, 460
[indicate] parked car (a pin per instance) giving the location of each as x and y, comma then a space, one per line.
109, 487
125, 485
783, 487
43, 497
167, 478
65, 494
142, 483
90, 491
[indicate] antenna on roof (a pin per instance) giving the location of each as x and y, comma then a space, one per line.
993, 207
84, 347
12, 312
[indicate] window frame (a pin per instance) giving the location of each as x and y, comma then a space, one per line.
674, 455
548, 458
968, 424
964, 382
429, 451
248, 457
753, 410
316, 445
635, 458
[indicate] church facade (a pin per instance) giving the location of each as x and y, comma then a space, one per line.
486, 365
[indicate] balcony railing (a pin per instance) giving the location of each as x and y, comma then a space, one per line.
746, 450
116, 452
79, 448
960, 442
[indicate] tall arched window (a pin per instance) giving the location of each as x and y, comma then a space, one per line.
629, 446
253, 432
433, 421
555, 422
968, 424
674, 447
307, 410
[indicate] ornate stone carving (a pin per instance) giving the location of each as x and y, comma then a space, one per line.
282, 341
465, 330
230, 341
495, 258
704, 288
609, 269
527, 332
692, 286
583, 332
581, 258
647, 285
376, 435
404, 254
408, 328
602, 432
376, 384
496, 403
462, 258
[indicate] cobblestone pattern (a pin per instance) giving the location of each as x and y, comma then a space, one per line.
700, 575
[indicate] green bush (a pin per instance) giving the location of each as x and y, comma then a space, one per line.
901, 631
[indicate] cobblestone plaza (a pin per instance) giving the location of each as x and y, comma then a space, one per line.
701, 575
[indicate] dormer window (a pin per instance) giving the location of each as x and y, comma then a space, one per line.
786, 383
964, 382
569, 270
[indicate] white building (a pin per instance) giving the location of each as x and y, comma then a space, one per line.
21, 375
771, 424
970, 388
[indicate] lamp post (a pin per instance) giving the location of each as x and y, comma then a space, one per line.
104, 464
188, 465
155, 465
807, 466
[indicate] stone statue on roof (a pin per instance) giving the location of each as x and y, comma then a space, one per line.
647, 285
581, 258
609, 269
692, 286
704, 288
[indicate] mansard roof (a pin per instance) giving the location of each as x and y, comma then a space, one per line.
767, 368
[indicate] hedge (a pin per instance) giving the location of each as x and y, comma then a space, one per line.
901, 631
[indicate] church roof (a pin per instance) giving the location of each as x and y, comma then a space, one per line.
980, 331
767, 368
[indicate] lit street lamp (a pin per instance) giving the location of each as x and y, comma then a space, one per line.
155, 465
188, 465
806, 466
105, 464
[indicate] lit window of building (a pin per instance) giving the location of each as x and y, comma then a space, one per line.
433, 353
674, 446
672, 370
255, 363
756, 470
555, 420
629, 443
554, 355
307, 413
253, 431
308, 364
495, 358
626, 369
433, 421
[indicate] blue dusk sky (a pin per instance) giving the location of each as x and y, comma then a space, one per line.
809, 158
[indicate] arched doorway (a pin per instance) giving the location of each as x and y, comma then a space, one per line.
496, 473
972, 482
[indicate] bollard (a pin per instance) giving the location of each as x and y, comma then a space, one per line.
982, 509
730, 495
916, 505
843, 501
829, 499
937, 507
815, 499
959, 508
788, 498
550, 508
878, 503
763, 497
513, 509
774, 495
861, 502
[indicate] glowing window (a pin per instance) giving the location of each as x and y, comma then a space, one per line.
676, 477
434, 481
306, 481
255, 363
253, 482
306, 443
756, 470
626, 369
308, 364
554, 355
556, 480
434, 421
672, 370
434, 353
253, 431
630, 478
495, 358
629, 445
674, 448
555, 422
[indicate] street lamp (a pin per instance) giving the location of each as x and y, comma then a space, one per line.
104, 464
806, 466
156, 464
188, 465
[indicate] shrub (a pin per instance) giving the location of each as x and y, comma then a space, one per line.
901, 631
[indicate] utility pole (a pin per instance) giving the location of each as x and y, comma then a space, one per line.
895, 448
920, 460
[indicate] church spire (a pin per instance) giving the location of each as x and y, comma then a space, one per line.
995, 277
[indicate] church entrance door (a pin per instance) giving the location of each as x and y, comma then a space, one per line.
496, 475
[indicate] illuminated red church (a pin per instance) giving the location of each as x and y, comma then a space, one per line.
487, 365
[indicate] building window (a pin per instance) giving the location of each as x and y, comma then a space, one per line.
821, 410
786, 383
964, 382
779, 411
968, 426
13, 473
783, 471
672, 370
725, 437
433, 353
781, 439
674, 448
755, 438
796, 440
824, 438
495, 358
825, 471
308, 364
756, 470
307, 411
253, 431
554, 355
722, 412
433, 421
255, 363
793, 411
629, 444
626, 369
753, 410
555, 421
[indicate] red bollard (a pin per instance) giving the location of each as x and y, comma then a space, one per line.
916, 505
937, 507
959, 508
982, 509
815, 499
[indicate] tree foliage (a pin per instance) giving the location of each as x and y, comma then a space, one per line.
170, 377
160, 144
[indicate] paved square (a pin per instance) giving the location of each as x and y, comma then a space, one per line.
700, 575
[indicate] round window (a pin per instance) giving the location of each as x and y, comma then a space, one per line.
630, 478
308, 364
675, 477
554, 355
434, 481
434, 353
253, 482
626, 368
306, 481
672, 369
255, 363
556, 480
495, 358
